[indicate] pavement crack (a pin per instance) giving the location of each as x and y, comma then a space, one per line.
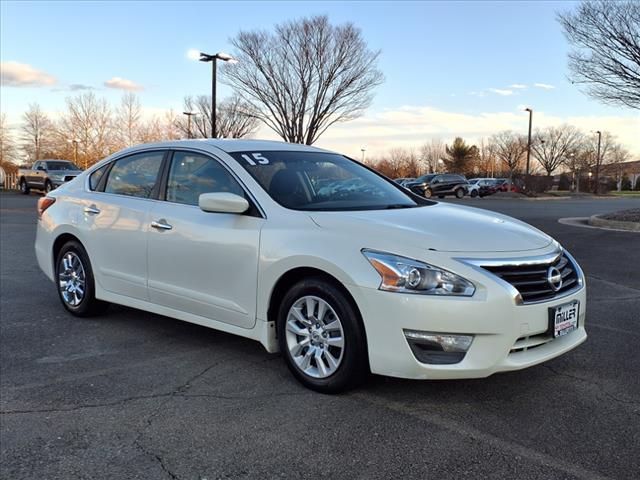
158, 459
600, 387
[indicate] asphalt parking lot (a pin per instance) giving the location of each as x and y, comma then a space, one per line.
136, 395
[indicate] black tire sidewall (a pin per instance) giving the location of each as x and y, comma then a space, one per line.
428, 193
459, 193
24, 188
474, 193
354, 367
89, 305
47, 186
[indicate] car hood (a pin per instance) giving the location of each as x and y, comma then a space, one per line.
442, 227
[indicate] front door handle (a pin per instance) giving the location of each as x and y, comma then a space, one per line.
92, 210
161, 225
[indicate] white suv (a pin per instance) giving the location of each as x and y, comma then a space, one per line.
363, 276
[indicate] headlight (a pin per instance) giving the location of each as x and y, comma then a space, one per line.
400, 274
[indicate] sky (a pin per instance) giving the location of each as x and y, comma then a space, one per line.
451, 68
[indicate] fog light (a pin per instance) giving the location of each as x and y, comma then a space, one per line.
438, 348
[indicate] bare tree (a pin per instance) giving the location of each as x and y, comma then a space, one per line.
431, 153
7, 142
510, 150
578, 160
89, 121
487, 157
305, 76
606, 54
128, 120
551, 145
36, 132
234, 118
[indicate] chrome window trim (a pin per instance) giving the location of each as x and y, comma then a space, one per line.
478, 263
173, 149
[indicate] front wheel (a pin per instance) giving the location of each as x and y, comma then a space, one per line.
48, 187
473, 194
76, 285
24, 188
428, 193
459, 193
321, 337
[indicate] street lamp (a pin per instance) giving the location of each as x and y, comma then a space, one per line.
205, 57
75, 151
363, 150
530, 110
189, 115
440, 162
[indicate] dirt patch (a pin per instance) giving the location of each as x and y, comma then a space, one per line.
631, 215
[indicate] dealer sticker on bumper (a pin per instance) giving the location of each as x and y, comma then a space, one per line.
564, 318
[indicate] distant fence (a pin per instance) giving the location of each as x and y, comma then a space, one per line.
10, 181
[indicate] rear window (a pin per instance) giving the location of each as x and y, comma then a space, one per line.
61, 166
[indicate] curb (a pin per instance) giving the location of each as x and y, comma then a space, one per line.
597, 221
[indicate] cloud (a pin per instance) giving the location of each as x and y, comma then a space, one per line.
502, 92
518, 86
410, 126
75, 87
16, 74
544, 86
123, 84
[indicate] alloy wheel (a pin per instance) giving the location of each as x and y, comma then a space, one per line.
315, 337
71, 279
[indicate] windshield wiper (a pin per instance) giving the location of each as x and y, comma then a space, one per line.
394, 206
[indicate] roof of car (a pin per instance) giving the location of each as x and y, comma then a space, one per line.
231, 145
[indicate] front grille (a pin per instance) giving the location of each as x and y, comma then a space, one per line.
69, 177
531, 280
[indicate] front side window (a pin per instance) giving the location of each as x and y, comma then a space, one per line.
96, 176
192, 174
321, 181
136, 175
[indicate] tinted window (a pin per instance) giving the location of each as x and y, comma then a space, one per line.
191, 175
61, 166
135, 176
94, 179
321, 181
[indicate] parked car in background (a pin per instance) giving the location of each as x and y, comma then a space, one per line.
482, 187
439, 184
233, 235
506, 185
46, 175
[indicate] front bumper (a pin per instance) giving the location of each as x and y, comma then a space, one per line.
492, 317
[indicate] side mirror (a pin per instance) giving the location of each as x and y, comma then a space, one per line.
222, 202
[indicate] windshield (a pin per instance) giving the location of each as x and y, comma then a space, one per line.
424, 178
61, 166
321, 181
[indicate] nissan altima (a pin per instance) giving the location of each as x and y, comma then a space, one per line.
313, 255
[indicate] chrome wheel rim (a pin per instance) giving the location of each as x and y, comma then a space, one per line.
71, 279
315, 337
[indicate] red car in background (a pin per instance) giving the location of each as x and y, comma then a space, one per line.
504, 185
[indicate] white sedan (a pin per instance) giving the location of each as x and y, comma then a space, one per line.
236, 235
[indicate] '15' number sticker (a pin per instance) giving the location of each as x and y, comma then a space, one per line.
257, 157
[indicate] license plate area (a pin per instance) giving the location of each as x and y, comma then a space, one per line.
563, 319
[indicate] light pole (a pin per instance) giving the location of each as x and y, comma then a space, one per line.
75, 151
363, 150
205, 57
597, 163
189, 115
530, 110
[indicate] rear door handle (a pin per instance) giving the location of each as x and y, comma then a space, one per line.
161, 225
92, 210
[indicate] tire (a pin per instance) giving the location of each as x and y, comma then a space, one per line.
24, 188
440, 196
473, 194
350, 366
459, 193
428, 193
79, 304
47, 186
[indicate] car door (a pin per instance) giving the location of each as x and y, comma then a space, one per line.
438, 184
203, 263
36, 175
115, 217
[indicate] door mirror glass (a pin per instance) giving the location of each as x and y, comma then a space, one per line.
223, 202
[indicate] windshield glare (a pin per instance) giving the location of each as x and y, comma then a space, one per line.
61, 166
321, 181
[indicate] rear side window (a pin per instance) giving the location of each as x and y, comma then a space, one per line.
135, 176
192, 174
94, 179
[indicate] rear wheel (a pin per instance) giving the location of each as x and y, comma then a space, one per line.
321, 337
74, 277
428, 193
459, 193
24, 188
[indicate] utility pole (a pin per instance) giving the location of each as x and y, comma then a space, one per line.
598, 160
189, 115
